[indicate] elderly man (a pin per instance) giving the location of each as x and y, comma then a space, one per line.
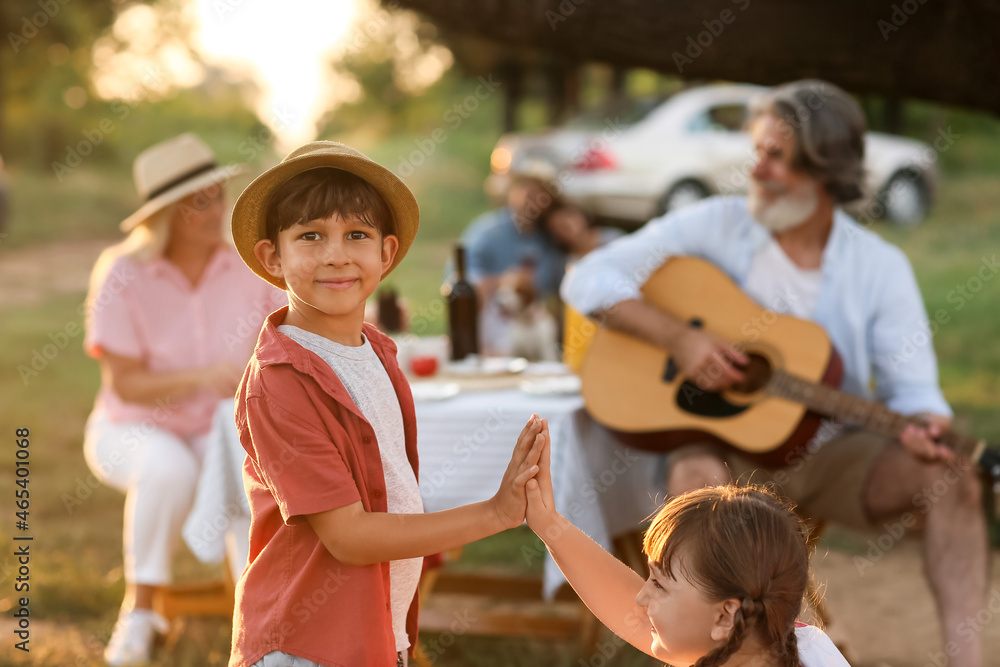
791, 248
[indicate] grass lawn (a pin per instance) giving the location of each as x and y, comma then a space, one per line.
76, 575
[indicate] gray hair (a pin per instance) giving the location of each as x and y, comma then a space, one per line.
828, 127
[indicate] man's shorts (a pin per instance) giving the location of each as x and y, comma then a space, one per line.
828, 482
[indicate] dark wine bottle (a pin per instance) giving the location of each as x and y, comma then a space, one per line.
463, 312
389, 315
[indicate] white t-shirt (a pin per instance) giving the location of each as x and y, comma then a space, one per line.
369, 386
816, 649
777, 283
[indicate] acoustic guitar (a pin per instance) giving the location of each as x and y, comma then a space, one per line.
792, 379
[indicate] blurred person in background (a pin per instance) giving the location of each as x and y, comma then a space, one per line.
4, 201
512, 240
574, 232
173, 315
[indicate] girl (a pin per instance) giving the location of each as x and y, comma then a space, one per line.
728, 572
572, 230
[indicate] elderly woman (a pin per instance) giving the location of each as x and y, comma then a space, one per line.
173, 315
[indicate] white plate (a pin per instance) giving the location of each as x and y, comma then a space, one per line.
426, 392
547, 368
566, 385
487, 366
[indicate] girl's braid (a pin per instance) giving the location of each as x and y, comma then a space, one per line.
791, 649
743, 622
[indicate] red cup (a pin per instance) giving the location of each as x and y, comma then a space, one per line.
424, 365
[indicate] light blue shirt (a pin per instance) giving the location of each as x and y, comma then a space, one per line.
493, 244
869, 302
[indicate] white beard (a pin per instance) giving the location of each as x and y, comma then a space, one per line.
790, 209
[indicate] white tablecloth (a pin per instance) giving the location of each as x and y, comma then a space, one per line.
219, 522
465, 445
465, 442
601, 486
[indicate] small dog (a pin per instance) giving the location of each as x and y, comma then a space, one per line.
531, 331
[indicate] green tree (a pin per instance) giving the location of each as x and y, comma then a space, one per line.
46, 51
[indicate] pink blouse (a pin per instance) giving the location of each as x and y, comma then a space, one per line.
150, 311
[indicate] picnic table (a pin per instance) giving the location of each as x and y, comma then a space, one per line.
465, 436
467, 425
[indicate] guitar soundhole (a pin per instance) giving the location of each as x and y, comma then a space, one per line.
697, 401
757, 372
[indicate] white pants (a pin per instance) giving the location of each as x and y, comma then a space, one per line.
158, 472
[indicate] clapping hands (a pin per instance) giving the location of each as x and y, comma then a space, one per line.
529, 460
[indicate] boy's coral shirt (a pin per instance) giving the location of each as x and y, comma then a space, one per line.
309, 449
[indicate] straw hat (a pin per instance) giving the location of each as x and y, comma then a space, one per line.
171, 170
250, 212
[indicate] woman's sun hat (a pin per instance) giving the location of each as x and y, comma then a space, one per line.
250, 211
171, 170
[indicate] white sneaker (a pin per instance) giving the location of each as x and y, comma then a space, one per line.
132, 639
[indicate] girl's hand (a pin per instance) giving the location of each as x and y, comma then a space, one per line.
510, 503
541, 514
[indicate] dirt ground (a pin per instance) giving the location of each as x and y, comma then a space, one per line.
886, 614
33, 273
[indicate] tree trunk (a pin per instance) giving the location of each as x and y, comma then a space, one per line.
941, 51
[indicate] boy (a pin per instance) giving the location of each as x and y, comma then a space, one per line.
327, 420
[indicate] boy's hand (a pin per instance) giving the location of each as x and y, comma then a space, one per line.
509, 503
541, 512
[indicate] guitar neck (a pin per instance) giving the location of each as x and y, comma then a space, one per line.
859, 411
